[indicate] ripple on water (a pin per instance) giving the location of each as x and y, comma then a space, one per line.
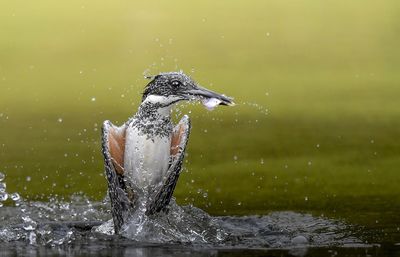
51, 223
80, 221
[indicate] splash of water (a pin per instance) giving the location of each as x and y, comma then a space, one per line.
59, 222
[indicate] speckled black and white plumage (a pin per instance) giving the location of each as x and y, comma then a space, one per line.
150, 123
171, 83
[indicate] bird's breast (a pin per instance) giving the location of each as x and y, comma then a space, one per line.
146, 157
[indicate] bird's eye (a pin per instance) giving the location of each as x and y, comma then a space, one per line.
175, 83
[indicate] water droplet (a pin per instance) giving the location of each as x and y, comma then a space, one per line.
93, 99
239, 203
262, 161
32, 238
64, 206
15, 197
205, 195
28, 178
299, 240
60, 120
235, 158
3, 187
309, 163
29, 224
306, 198
3, 196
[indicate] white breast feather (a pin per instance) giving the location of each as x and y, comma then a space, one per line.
146, 160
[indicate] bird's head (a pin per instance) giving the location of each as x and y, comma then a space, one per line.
172, 87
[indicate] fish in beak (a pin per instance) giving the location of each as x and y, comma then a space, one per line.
210, 99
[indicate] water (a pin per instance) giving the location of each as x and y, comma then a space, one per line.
69, 225
79, 227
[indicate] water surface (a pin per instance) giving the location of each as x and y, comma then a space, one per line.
84, 227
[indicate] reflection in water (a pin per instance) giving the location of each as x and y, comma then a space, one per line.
103, 249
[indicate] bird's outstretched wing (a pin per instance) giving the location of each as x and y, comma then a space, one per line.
164, 193
121, 196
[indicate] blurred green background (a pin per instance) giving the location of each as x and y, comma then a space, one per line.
317, 84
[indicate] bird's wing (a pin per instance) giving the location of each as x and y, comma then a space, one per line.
179, 141
113, 148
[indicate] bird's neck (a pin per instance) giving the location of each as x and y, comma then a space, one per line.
152, 119
153, 111
156, 107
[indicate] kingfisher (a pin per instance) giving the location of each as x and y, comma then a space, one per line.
144, 156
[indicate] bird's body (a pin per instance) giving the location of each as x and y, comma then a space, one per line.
143, 157
151, 165
147, 149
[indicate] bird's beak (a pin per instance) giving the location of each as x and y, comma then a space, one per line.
205, 94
